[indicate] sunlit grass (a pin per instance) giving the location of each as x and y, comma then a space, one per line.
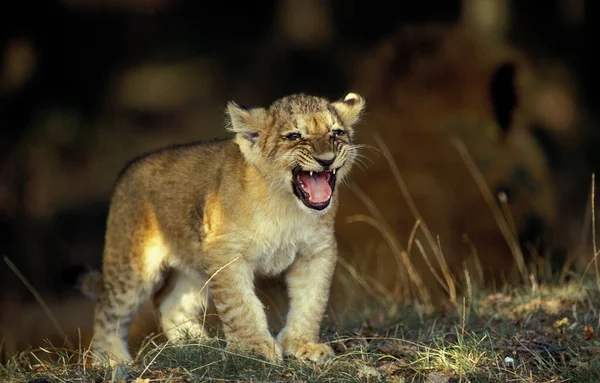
465, 356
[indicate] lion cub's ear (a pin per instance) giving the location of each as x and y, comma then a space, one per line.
350, 108
247, 123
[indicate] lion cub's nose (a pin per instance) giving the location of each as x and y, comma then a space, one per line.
325, 162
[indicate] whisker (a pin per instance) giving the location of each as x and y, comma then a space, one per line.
370, 148
360, 146
360, 158
363, 157
361, 166
357, 148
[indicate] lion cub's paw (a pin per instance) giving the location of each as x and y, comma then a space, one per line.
315, 352
269, 348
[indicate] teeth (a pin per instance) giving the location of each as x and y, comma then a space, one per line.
333, 171
311, 173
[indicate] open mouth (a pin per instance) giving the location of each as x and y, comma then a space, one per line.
314, 188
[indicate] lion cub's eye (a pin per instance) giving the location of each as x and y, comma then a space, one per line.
292, 136
338, 132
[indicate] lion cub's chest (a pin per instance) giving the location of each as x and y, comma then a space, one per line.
275, 243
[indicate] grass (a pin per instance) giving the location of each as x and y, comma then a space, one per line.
546, 334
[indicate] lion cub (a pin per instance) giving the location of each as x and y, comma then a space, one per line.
220, 213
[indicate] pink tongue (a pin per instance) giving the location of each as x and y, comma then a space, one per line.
316, 186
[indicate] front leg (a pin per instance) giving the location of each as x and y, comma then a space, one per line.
241, 312
309, 282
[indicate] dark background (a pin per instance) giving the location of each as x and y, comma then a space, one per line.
87, 84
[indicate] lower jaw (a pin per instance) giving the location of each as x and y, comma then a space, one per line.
316, 207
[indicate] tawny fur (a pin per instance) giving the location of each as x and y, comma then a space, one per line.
219, 215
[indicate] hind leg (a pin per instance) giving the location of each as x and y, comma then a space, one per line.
133, 259
125, 289
113, 316
183, 308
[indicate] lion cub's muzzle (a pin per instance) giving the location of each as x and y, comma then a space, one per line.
314, 188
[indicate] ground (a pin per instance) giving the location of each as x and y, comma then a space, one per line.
533, 333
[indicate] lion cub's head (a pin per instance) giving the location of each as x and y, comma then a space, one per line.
301, 144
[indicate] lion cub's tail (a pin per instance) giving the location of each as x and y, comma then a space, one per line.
89, 282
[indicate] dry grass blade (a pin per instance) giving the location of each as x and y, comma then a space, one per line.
205, 290
595, 247
154, 358
402, 277
371, 207
421, 289
40, 301
405, 193
510, 220
412, 236
475, 258
450, 281
375, 290
496, 211
594, 244
469, 285
436, 275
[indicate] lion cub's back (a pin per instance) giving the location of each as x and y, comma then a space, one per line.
170, 184
187, 165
